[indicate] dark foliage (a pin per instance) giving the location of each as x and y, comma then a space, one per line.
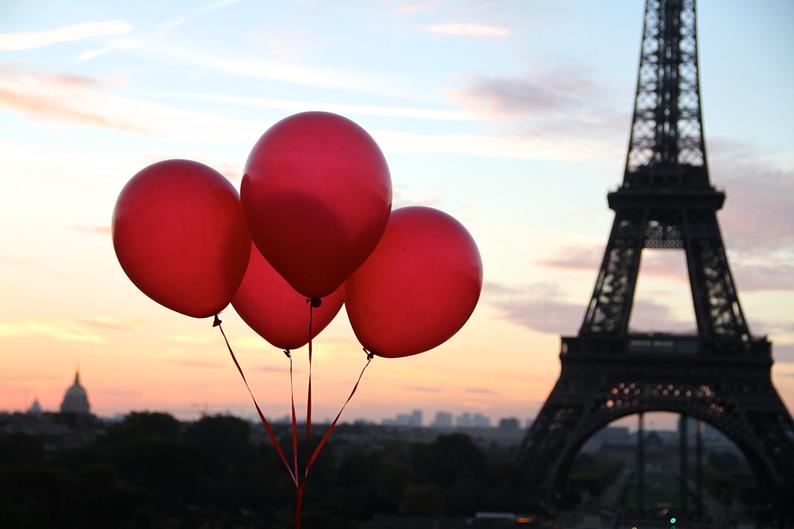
153, 472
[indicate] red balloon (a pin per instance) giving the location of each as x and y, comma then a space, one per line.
317, 196
272, 308
180, 235
418, 287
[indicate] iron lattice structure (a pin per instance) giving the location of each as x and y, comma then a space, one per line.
721, 375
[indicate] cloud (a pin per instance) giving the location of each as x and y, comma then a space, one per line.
161, 30
468, 30
539, 307
197, 339
563, 106
276, 369
657, 263
482, 391
783, 352
370, 82
649, 316
96, 230
38, 39
774, 274
423, 389
82, 100
56, 330
294, 105
405, 8
107, 323
60, 97
772, 327
490, 146
183, 362
757, 215
760, 271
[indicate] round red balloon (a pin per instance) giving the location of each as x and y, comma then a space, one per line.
418, 287
272, 308
317, 196
180, 235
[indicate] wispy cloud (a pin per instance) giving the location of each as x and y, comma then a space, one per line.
482, 391
784, 352
485, 145
107, 323
405, 8
541, 307
201, 364
83, 100
96, 230
276, 369
423, 389
294, 105
58, 330
371, 82
538, 307
563, 106
757, 213
37, 39
755, 271
160, 31
468, 30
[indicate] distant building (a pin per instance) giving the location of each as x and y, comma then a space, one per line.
480, 421
76, 399
35, 408
443, 420
405, 419
509, 423
463, 420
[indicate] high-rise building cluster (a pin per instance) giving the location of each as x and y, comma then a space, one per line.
448, 420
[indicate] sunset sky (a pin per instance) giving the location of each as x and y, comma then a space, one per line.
513, 116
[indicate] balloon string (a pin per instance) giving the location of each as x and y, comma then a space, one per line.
294, 419
298, 505
268, 429
310, 462
309, 397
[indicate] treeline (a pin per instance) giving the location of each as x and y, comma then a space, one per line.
151, 471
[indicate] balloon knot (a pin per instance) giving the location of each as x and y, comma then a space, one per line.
370, 354
217, 321
287, 353
316, 302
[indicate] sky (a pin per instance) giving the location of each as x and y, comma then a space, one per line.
512, 116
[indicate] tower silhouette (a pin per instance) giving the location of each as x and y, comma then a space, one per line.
721, 375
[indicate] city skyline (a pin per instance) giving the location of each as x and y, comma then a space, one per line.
481, 110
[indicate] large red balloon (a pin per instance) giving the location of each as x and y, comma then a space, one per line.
180, 235
317, 196
272, 308
418, 287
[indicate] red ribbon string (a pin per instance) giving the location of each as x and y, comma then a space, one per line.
268, 429
294, 420
309, 397
298, 505
310, 462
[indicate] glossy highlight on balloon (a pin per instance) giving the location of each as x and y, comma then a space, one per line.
418, 287
180, 235
317, 195
275, 311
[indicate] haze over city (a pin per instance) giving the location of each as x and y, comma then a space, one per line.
511, 116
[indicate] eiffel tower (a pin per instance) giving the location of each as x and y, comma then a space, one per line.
721, 375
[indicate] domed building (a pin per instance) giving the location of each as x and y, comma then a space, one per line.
35, 408
76, 399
